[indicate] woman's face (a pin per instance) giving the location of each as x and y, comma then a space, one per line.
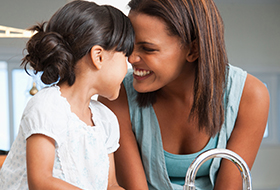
158, 58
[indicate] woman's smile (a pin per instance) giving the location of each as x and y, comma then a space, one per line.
141, 74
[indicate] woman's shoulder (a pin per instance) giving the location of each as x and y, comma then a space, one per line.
236, 73
235, 82
255, 90
248, 83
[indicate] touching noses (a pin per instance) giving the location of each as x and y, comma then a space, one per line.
134, 57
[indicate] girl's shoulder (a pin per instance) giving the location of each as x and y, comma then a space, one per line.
101, 111
46, 97
46, 113
105, 118
48, 104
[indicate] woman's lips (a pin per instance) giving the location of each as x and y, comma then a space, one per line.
141, 74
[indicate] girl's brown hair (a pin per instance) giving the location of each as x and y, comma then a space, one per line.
196, 21
71, 33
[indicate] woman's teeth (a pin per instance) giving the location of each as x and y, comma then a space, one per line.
141, 73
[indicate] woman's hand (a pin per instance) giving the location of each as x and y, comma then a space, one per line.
248, 132
40, 155
129, 168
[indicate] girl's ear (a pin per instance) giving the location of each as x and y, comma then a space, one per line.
96, 55
193, 53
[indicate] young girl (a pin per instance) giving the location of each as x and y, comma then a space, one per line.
66, 140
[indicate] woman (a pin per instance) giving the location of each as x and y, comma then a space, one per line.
183, 98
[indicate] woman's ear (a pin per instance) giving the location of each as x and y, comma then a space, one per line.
96, 55
193, 52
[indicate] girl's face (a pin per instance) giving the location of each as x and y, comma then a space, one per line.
158, 58
115, 69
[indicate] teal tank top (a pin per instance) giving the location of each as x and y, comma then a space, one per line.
177, 165
147, 133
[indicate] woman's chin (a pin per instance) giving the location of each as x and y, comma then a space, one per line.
143, 88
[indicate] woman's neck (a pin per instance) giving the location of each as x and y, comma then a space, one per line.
182, 88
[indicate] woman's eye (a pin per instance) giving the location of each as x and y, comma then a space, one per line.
148, 49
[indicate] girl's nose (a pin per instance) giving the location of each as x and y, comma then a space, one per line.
134, 58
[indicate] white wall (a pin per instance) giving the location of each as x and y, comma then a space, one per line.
252, 32
120, 4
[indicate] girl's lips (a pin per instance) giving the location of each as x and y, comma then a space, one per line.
140, 74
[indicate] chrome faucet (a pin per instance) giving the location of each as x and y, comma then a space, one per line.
220, 153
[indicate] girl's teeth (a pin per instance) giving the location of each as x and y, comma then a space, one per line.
141, 73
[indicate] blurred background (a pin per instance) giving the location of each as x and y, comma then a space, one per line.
252, 34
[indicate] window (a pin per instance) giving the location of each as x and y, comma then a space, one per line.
4, 102
21, 86
265, 135
272, 81
15, 85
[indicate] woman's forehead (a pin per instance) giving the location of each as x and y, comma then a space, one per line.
148, 28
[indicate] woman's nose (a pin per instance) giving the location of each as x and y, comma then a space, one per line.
134, 57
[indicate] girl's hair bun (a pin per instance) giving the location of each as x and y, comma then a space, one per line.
50, 53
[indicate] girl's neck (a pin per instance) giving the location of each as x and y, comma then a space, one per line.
80, 93
78, 96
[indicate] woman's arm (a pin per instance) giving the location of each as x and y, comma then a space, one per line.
40, 154
248, 132
129, 168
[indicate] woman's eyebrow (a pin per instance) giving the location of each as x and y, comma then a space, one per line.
145, 43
